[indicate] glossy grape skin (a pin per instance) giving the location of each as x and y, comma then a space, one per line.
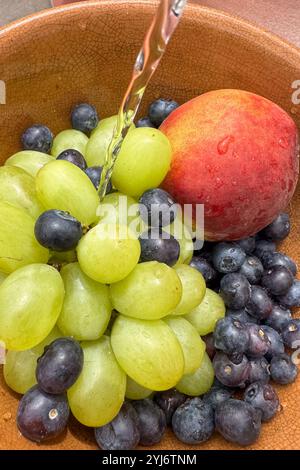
157, 245
84, 117
38, 138
200, 381
18, 188
94, 173
151, 291
29, 161
73, 156
148, 351
157, 207
122, 433
60, 365
26, 317
69, 139
19, 368
193, 347
118, 208
193, 422
3, 276
87, 307
99, 141
169, 401
98, 394
209, 311
62, 185
160, 109
42, 416
135, 391
18, 246
57, 230
108, 253
193, 289
143, 161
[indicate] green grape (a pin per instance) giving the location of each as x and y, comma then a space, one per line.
143, 161
3, 276
30, 302
18, 245
192, 345
69, 139
98, 394
62, 257
19, 368
18, 188
185, 240
193, 289
151, 291
62, 185
99, 141
134, 391
87, 308
205, 316
108, 252
148, 351
200, 381
29, 160
117, 208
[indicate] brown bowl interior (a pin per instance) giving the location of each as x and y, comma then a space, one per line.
85, 53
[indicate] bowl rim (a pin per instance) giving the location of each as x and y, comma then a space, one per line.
209, 14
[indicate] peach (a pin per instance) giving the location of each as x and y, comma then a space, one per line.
237, 153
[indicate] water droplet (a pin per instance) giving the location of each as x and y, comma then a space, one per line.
283, 142
223, 145
234, 182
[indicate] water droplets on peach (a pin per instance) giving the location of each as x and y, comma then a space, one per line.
224, 144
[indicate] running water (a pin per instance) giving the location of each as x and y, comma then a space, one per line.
164, 24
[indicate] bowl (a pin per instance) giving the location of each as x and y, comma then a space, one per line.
85, 52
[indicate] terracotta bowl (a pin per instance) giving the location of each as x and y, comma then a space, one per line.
80, 52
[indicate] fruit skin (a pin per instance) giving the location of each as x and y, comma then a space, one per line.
279, 229
217, 162
259, 343
271, 259
253, 269
260, 305
276, 346
231, 372
292, 297
231, 336
144, 122
157, 245
277, 280
283, 370
94, 173
278, 318
193, 422
228, 257
157, 208
205, 268
262, 247
122, 433
235, 290
259, 370
38, 138
247, 244
217, 395
291, 334
238, 422
73, 156
160, 109
60, 365
84, 117
169, 401
42, 416
264, 398
152, 421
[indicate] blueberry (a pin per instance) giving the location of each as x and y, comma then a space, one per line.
235, 290
228, 257
57, 230
238, 422
271, 259
152, 421
247, 244
84, 118
283, 370
260, 305
169, 401
278, 229
231, 336
157, 208
240, 315
231, 372
94, 173
42, 416
276, 346
291, 334
206, 250
277, 280
253, 269
193, 422
263, 246
259, 370
157, 245
38, 138
73, 156
122, 433
210, 345
217, 395
292, 297
160, 109
60, 365
259, 342
263, 397
205, 268
144, 122
278, 318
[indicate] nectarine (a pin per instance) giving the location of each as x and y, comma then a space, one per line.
237, 153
